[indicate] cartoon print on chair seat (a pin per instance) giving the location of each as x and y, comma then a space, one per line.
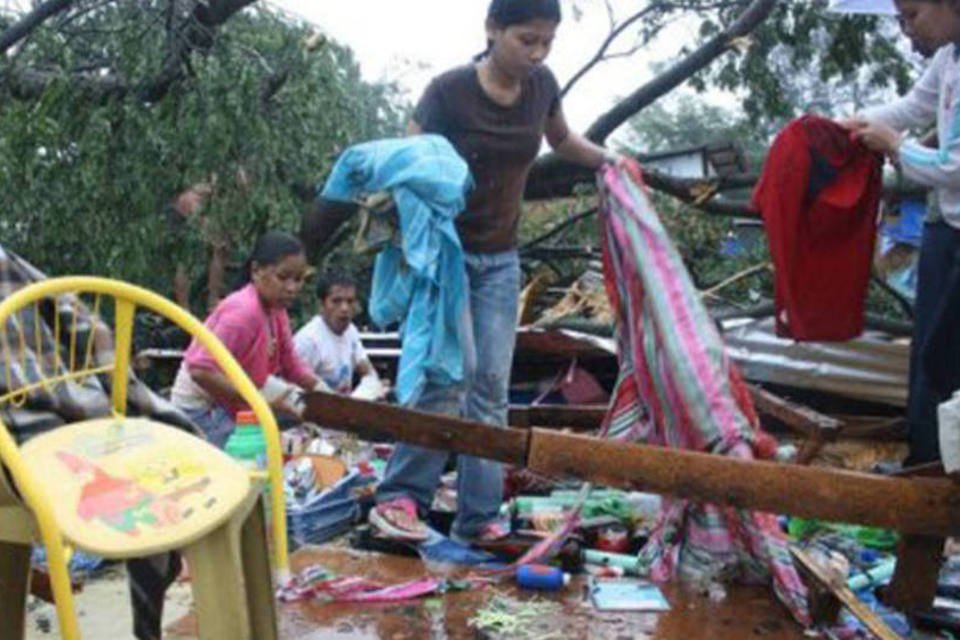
126, 504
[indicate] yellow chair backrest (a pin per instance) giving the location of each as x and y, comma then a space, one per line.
56, 345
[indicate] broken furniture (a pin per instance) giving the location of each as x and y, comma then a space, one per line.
124, 487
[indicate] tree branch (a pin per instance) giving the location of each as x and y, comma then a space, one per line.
20, 30
562, 226
196, 32
26, 84
752, 16
551, 177
615, 31
557, 179
192, 34
692, 192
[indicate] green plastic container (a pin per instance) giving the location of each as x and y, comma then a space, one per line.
248, 447
247, 444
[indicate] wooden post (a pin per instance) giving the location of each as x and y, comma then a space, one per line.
914, 583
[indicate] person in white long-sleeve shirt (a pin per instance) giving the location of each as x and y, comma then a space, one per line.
932, 25
330, 343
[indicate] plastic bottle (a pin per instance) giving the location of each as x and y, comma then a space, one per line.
541, 577
878, 574
628, 563
247, 444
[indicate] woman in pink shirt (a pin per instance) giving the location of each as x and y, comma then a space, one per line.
253, 324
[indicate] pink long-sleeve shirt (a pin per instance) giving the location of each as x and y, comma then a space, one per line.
260, 339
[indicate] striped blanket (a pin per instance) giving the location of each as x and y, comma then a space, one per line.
676, 388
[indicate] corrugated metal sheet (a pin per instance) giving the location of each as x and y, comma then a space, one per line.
872, 367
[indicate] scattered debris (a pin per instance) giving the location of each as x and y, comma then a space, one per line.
519, 620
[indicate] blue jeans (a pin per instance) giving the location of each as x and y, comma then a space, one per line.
939, 254
215, 422
488, 336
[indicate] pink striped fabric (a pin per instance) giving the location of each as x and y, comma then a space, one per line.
677, 388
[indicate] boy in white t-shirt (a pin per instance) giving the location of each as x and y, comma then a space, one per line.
330, 343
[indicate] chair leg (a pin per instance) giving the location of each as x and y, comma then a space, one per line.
219, 593
14, 586
258, 577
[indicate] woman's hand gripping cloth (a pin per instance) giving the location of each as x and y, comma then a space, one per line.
421, 283
677, 388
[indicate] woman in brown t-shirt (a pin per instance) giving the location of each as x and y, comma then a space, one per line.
495, 112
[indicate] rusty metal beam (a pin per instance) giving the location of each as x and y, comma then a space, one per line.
373, 420
921, 507
918, 505
915, 505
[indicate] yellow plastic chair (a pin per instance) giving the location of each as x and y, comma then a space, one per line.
127, 487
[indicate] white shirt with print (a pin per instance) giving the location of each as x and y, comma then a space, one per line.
332, 357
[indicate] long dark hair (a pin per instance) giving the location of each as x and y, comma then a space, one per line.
270, 248
506, 13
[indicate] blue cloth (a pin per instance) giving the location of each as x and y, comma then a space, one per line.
81, 563
488, 326
439, 548
419, 284
908, 229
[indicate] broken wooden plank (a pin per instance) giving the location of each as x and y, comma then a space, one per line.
575, 417
910, 505
847, 598
873, 428
797, 417
927, 469
372, 420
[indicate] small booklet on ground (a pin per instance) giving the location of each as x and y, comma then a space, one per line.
625, 594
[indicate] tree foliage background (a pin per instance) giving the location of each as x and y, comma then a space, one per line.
109, 109
88, 177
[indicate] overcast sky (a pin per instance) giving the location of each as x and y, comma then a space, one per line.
413, 40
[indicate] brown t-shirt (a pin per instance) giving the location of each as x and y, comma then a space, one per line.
499, 144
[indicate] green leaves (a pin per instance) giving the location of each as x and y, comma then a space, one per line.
88, 182
804, 56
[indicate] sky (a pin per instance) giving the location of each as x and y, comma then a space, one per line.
411, 41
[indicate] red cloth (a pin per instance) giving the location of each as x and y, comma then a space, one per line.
818, 195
